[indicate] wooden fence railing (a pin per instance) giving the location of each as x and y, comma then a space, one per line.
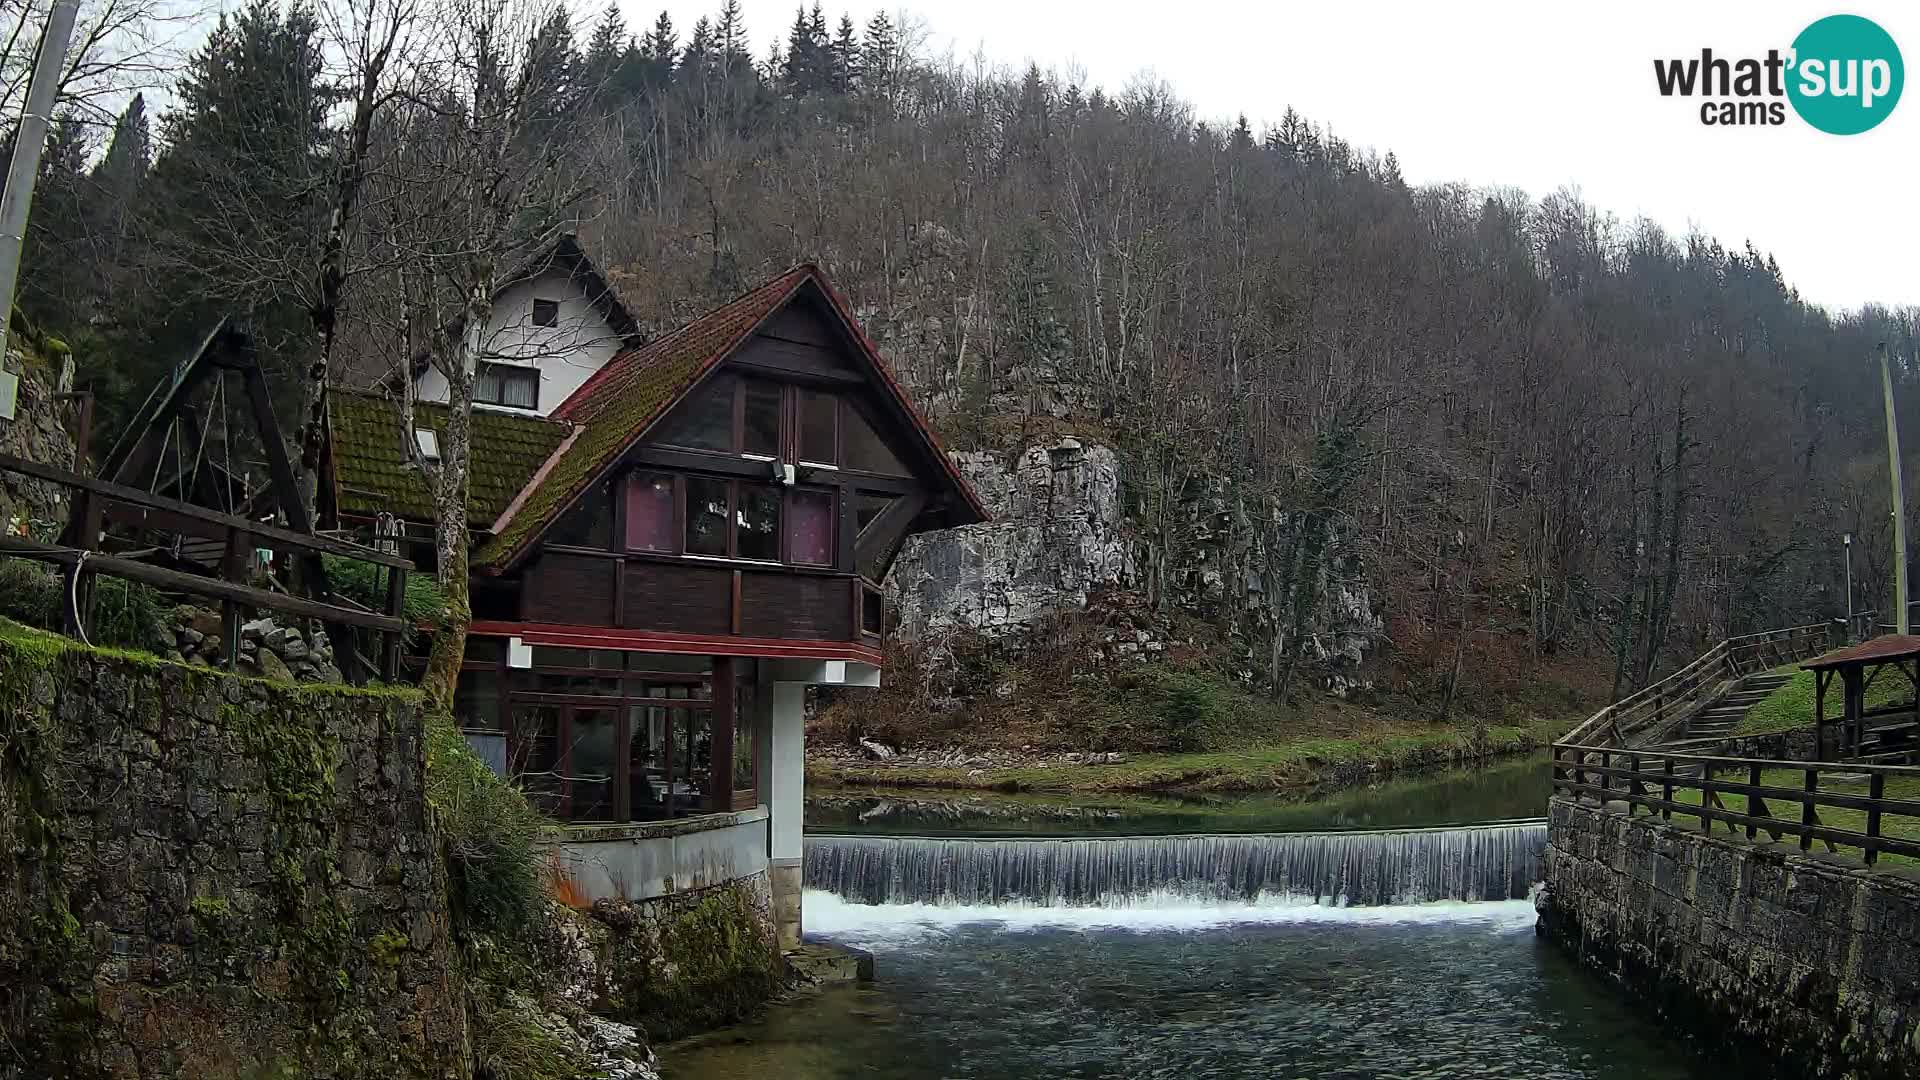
1781, 798
1666, 702
96, 500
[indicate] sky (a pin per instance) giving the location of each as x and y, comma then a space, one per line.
1535, 95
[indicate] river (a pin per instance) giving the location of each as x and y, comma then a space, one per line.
1357, 936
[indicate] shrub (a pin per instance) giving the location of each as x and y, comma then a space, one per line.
124, 612
495, 870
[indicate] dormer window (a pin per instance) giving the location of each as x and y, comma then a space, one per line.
546, 313
428, 442
507, 385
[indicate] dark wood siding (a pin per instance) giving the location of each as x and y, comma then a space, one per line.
679, 599
575, 589
776, 605
797, 357
802, 322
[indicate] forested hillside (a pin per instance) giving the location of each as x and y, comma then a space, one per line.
1535, 430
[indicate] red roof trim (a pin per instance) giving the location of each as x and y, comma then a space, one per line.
604, 637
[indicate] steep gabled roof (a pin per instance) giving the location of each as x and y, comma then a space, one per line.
617, 405
372, 473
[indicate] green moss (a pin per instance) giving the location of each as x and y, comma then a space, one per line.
491, 835
707, 960
388, 947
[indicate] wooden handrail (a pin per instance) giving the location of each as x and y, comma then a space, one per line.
206, 586
1641, 773
1654, 702
136, 497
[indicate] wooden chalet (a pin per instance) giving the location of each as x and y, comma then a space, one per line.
665, 554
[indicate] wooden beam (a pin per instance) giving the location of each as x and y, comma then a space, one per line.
136, 497
194, 583
881, 539
278, 466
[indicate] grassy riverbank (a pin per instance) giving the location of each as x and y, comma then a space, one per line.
1791, 706
1299, 763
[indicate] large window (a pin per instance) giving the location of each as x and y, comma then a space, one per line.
767, 419
506, 384
617, 736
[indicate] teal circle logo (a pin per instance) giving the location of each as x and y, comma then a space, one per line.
1846, 75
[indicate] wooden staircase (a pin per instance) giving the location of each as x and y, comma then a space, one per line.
1715, 724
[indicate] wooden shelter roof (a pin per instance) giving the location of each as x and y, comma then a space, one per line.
1883, 649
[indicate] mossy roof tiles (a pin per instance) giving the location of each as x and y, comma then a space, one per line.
372, 474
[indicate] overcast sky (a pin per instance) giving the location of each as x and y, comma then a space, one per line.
1533, 94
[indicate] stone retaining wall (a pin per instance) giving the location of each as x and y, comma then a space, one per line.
1809, 959
210, 876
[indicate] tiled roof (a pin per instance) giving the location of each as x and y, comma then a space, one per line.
371, 472
625, 397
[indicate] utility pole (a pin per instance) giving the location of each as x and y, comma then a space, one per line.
1899, 499
29, 140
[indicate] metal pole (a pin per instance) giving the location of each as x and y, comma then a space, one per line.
1847, 543
1899, 498
29, 139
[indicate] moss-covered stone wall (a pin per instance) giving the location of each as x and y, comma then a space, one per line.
1803, 959
691, 961
210, 876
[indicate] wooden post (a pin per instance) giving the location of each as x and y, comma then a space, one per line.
390, 641
1706, 796
1634, 791
723, 718
1754, 805
233, 568
1820, 713
1807, 816
1666, 791
1876, 790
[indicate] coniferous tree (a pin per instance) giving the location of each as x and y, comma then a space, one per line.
659, 49
698, 60
845, 57
233, 220
800, 68
877, 51
60, 260
606, 49
730, 38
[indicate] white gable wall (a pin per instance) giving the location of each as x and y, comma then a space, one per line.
579, 344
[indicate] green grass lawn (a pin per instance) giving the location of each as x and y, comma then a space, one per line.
1896, 825
1289, 764
1791, 706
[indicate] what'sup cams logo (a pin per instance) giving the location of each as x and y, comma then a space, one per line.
1843, 75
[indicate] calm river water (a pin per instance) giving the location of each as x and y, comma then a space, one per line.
1180, 983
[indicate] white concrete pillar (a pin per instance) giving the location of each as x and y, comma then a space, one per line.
786, 805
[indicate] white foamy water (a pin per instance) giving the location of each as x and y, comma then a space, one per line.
884, 924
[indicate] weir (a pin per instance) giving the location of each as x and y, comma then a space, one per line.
1472, 863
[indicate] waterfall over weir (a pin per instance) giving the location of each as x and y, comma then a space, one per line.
1485, 862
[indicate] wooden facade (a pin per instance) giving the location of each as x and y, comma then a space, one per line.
727, 496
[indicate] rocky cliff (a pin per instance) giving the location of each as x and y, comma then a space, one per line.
1062, 541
